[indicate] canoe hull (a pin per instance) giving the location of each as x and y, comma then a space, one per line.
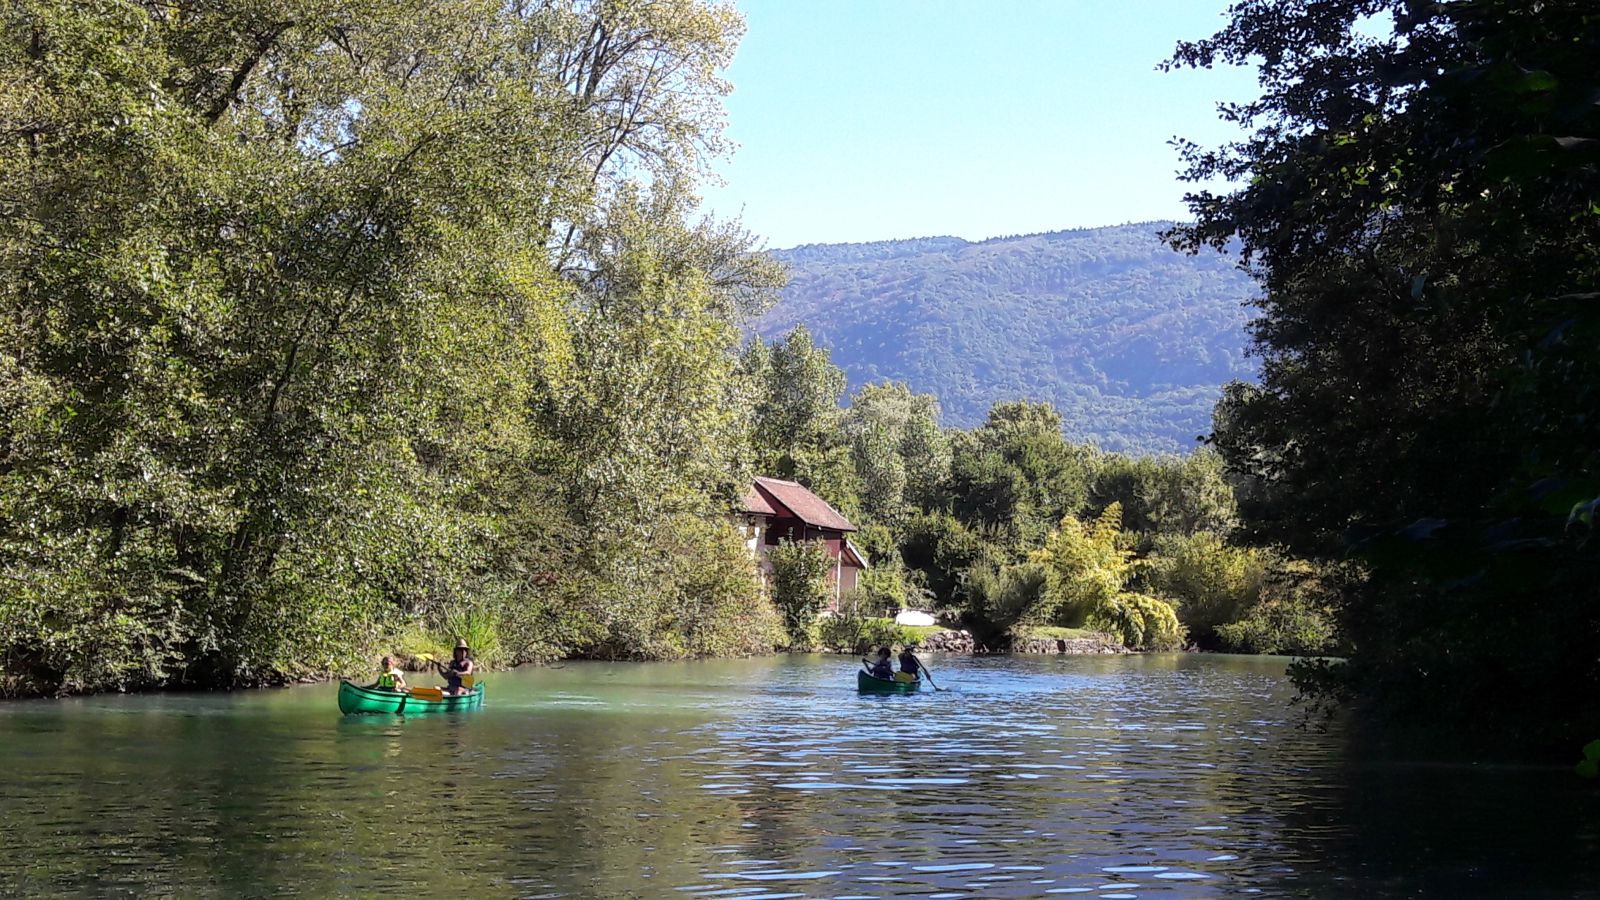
354, 699
870, 685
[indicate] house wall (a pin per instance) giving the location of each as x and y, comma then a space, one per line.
762, 533
849, 578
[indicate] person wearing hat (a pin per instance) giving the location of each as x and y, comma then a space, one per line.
461, 666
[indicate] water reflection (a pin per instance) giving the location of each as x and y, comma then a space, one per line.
1165, 776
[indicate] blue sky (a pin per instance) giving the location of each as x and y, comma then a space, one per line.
876, 119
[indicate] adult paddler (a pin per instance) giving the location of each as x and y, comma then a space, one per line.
459, 667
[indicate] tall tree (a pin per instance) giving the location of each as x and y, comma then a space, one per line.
1421, 209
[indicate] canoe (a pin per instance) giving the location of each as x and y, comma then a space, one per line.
354, 698
865, 682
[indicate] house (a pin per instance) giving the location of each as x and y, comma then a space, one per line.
774, 510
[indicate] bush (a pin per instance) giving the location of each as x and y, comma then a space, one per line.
1086, 567
1208, 581
690, 592
1296, 616
1141, 621
999, 597
800, 587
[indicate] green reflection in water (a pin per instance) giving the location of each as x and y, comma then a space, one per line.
1182, 776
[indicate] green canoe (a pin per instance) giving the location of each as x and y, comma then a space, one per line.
865, 682
354, 698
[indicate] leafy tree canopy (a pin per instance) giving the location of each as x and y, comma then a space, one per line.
1421, 208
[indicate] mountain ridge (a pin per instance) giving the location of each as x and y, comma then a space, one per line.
1129, 338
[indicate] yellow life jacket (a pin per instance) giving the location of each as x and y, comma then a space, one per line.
386, 680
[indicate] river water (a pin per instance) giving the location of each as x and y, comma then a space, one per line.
1112, 777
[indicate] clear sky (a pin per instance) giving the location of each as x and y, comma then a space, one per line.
868, 120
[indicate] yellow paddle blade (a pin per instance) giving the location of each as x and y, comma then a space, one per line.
425, 657
434, 694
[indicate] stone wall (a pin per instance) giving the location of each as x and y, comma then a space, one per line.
949, 642
962, 642
1100, 644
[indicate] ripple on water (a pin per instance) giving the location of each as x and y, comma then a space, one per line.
705, 778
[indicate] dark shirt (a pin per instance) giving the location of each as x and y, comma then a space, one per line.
452, 675
882, 669
909, 663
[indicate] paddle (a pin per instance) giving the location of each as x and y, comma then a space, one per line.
925, 671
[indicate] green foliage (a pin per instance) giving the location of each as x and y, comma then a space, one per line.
999, 597
1421, 211
1286, 626
1017, 474
943, 550
1086, 567
1210, 582
890, 587
1296, 611
1168, 495
797, 403
320, 322
1141, 622
901, 455
800, 587
1590, 767
1129, 339
850, 632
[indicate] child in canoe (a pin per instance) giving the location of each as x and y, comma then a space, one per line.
390, 677
882, 668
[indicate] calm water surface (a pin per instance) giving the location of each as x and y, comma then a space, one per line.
1153, 777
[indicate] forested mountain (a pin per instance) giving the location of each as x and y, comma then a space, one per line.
1129, 339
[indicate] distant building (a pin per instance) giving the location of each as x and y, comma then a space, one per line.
774, 510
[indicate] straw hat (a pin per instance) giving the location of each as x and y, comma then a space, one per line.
461, 644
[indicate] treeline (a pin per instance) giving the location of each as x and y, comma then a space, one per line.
1009, 527
333, 327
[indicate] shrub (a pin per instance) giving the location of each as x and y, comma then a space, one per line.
1141, 621
999, 597
1086, 568
689, 592
800, 587
1296, 615
1208, 581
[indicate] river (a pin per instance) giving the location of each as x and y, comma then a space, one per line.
1166, 776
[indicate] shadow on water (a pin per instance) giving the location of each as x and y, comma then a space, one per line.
1154, 776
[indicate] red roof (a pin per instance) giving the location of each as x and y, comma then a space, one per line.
801, 503
756, 504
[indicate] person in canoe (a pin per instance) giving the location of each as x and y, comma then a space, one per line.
390, 677
882, 668
910, 666
460, 665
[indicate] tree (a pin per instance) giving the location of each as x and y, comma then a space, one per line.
1168, 494
798, 399
1421, 210
800, 587
1018, 472
280, 281
1087, 570
901, 457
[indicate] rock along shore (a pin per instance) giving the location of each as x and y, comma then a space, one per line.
953, 641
